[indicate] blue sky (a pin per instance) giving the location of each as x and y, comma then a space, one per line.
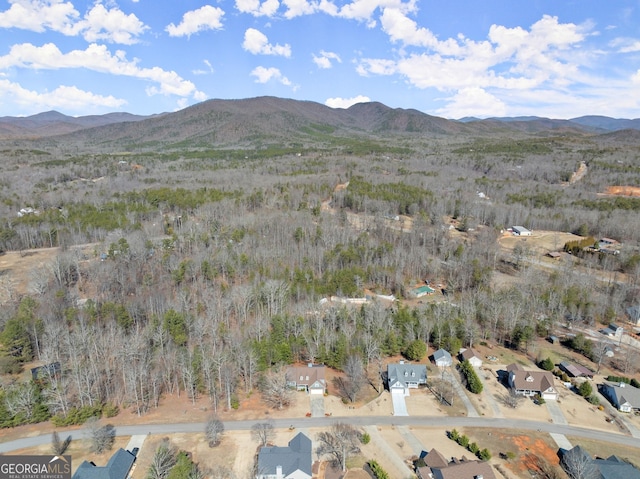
556, 58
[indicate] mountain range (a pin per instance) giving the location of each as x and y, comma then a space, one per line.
254, 120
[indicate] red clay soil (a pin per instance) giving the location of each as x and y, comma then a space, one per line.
622, 191
532, 450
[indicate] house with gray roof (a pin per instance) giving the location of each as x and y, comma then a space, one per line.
290, 462
597, 468
623, 396
404, 376
118, 467
442, 358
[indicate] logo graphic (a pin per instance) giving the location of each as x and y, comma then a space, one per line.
35, 467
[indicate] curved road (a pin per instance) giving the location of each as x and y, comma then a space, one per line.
449, 422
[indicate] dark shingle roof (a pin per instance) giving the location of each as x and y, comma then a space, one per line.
118, 467
297, 455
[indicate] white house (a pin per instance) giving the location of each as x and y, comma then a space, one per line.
404, 376
470, 355
442, 358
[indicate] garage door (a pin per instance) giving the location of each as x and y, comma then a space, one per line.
399, 404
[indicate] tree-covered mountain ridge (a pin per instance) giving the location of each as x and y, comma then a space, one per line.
255, 120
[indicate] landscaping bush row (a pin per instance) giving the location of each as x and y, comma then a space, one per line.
482, 454
377, 470
471, 377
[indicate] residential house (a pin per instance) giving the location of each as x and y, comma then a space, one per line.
623, 396
613, 330
118, 467
531, 383
472, 356
310, 378
290, 462
437, 467
422, 291
596, 468
404, 376
575, 370
442, 358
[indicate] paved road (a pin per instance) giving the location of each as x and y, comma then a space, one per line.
313, 422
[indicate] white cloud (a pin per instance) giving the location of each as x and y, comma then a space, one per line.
324, 59
40, 15
346, 102
68, 98
267, 8
96, 58
511, 58
209, 69
111, 25
99, 23
257, 42
626, 45
264, 75
473, 102
204, 18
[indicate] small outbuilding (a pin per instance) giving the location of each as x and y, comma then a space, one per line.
442, 358
520, 231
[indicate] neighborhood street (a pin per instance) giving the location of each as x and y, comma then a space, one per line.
314, 422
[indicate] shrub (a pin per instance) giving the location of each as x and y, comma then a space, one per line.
454, 435
485, 455
110, 410
585, 390
473, 381
365, 438
76, 416
463, 441
377, 470
473, 447
593, 399
416, 350
546, 364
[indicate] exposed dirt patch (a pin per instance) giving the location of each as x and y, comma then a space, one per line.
622, 191
578, 174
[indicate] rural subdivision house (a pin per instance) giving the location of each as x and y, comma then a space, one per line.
404, 376
472, 356
624, 397
610, 468
437, 467
442, 358
290, 462
118, 467
531, 383
310, 378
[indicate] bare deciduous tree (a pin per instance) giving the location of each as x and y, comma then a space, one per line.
263, 432
163, 460
340, 442
102, 437
355, 378
275, 391
58, 446
578, 464
214, 431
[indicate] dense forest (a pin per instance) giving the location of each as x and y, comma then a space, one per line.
200, 269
